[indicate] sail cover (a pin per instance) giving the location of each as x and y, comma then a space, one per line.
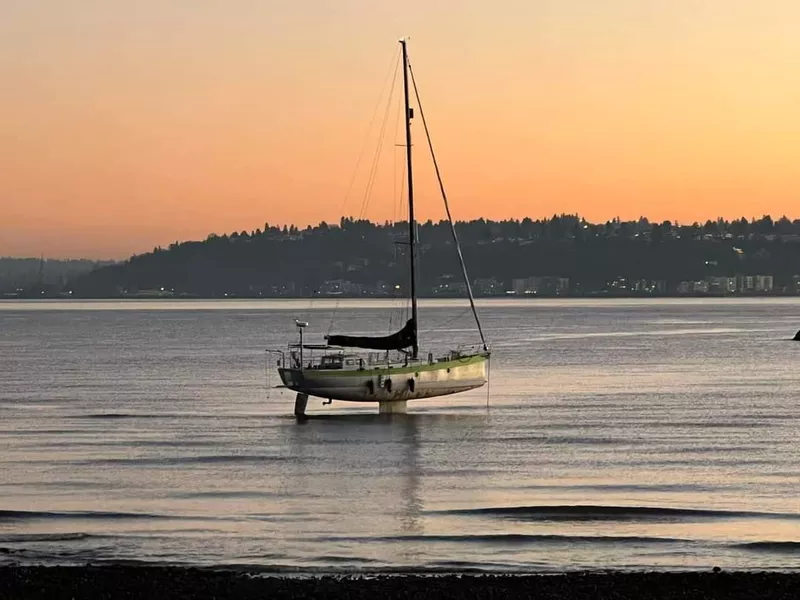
405, 338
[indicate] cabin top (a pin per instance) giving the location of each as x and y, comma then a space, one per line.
340, 361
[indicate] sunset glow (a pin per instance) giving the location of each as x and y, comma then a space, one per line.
127, 125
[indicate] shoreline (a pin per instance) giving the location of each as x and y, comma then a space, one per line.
387, 298
148, 581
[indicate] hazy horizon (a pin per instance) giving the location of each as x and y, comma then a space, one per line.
133, 125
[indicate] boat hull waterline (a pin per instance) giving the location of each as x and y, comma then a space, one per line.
390, 384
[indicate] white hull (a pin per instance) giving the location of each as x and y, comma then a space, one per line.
390, 384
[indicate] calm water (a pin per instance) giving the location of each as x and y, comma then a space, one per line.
618, 434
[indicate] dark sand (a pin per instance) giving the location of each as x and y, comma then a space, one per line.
178, 582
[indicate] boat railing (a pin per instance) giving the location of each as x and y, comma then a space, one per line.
280, 354
469, 350
316, 357
324, 357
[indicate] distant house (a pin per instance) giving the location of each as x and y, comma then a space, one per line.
764, 283
341, 287
448, 285
722, 285
487, 287
548, 285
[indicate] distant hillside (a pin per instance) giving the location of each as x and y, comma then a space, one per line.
31, 276
562, 255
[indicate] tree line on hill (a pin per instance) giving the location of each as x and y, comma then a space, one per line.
359, 257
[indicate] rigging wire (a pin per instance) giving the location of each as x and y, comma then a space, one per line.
268, 373
442, 324
406, 302
398, 309
391, 71
391, 76
376, 158
488, 380
447, 209
402, 305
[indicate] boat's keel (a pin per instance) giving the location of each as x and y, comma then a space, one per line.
300, 403
397, 407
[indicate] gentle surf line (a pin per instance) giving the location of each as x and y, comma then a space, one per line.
612, 513
514, 538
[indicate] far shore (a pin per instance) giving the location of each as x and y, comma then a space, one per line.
171, 302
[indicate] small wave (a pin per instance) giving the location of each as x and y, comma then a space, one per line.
23, 433
335, 559
609, 513
299, 517
569, 440
767, 546
25, 515
16, 538
717, 449
42, 555
468, 566
622, 487
374, 569
514, 538
184, 460
227, 494
110, 416
626, 334
126, 443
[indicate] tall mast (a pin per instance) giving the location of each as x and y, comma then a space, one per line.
412, 228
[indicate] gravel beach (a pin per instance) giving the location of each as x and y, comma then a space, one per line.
179, 582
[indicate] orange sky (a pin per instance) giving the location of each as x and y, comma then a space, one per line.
125, 125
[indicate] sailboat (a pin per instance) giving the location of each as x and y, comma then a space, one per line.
335, 370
